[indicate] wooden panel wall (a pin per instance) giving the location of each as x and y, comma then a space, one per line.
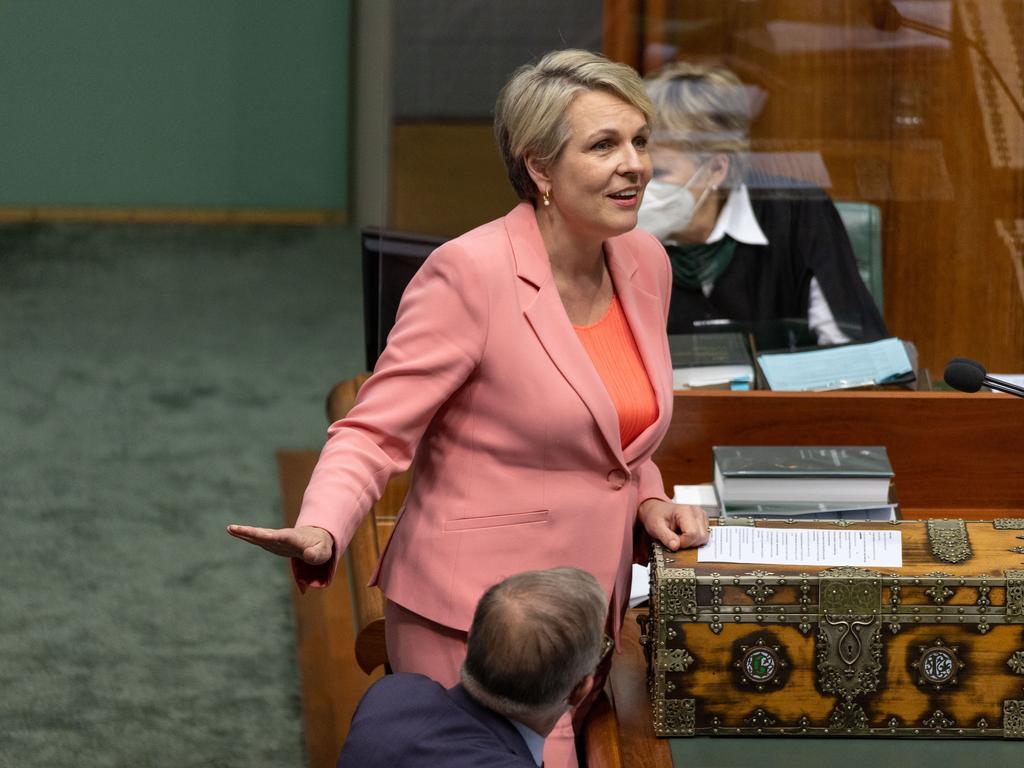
925, 123
954, 454
446, 177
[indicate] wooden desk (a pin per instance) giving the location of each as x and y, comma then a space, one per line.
947, 449
631, 706
943, 446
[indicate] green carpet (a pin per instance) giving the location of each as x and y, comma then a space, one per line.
147, 374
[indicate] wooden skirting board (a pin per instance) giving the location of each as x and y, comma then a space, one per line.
173, 215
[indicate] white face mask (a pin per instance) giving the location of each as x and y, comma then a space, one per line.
669, 208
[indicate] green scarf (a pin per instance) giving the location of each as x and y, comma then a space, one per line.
697, 263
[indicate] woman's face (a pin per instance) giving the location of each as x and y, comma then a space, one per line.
673, 166
598, 180
701, 176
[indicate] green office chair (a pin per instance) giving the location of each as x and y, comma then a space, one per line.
863, 222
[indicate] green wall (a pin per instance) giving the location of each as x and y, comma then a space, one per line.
180, 103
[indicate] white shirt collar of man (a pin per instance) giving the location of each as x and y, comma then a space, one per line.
533, 740
738, 221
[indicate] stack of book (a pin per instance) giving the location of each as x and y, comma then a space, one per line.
713, 360
850, 482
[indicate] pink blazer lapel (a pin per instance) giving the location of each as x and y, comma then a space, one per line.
644, 312
543, 309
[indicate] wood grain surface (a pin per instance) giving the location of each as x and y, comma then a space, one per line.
954, 455
986, 680
627, 686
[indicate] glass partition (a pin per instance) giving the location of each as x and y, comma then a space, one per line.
912, 106
907, 113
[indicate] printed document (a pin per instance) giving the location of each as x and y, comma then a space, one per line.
803, 546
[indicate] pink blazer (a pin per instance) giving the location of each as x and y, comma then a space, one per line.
514, 441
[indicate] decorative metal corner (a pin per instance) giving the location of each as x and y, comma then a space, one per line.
677, 592
1013, 719
675, 717
1014, 595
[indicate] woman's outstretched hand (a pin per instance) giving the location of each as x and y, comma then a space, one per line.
677, 526
308, 543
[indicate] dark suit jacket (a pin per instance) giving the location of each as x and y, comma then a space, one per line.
409, 721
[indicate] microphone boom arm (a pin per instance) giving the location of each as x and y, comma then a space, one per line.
1002, 386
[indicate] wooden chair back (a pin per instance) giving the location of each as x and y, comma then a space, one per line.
365, 548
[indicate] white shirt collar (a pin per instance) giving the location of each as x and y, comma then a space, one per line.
737, 220
533, 740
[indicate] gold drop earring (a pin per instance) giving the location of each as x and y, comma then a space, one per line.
546, 197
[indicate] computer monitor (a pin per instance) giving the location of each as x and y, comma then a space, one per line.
390, 259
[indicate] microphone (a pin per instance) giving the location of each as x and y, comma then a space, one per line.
884, 16
968, 375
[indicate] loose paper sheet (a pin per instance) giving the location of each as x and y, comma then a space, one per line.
851, 365
698, 495
640, 585
802, 546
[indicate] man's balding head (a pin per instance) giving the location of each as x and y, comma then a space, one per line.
535, 637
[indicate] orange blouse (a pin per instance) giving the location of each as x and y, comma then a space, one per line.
610, 344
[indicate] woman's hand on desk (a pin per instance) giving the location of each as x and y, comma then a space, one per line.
677, 526
308, 543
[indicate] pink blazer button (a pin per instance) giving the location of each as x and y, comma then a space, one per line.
617, 478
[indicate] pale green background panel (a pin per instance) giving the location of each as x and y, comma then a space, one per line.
188, 103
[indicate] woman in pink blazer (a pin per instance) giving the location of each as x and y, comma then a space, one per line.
528, 416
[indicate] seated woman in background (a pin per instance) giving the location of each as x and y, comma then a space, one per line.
776, 250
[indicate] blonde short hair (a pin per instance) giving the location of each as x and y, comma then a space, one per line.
702, 110
529, 116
